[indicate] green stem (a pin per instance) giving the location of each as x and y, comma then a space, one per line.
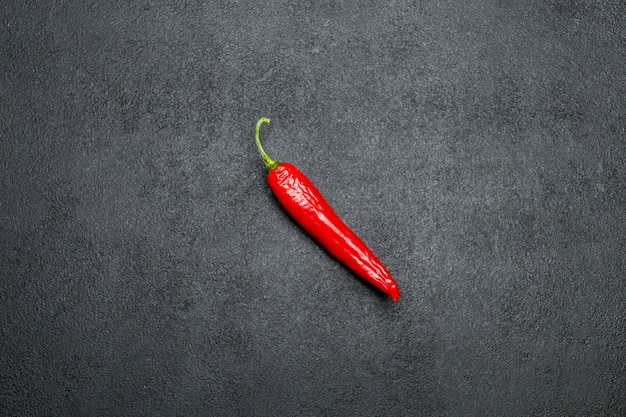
270, 164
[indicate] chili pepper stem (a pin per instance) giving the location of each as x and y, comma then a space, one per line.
270, 164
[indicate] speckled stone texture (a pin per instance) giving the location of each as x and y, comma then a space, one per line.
478, 147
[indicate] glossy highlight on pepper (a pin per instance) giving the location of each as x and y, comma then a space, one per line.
306, 205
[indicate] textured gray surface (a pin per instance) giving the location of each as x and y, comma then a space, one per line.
477, 147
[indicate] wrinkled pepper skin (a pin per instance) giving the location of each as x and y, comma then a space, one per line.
306, 205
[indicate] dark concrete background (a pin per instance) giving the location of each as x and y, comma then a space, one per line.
478, 147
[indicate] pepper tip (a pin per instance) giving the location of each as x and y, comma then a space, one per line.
394, 293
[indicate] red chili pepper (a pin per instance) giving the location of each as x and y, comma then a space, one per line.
310, 210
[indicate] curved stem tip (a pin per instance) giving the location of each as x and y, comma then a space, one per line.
270, 164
